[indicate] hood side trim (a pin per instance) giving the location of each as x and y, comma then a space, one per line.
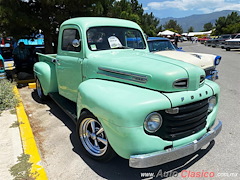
123, 75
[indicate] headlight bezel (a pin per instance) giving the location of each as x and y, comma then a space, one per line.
212, 102
149, 119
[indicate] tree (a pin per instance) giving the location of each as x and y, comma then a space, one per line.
133, 11
191, 29
150, 24
228, 25
172, 25
208, 26
19, 18
220, 23
24, 17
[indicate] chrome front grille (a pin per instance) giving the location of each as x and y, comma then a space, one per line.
189, 120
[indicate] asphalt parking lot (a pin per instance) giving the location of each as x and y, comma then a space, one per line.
63, 159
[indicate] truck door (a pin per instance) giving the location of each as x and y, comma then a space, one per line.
69, 62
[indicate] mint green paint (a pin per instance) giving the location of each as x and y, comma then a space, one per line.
214, 86
182, 98
156, 68
132, 141
122, 86
69, 73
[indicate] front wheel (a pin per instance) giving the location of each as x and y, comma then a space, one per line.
93, 138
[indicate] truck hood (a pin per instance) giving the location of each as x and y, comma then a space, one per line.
201, 60
144, 69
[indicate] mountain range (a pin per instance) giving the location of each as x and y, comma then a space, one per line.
197, 21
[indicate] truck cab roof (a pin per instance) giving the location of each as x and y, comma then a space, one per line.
87, 22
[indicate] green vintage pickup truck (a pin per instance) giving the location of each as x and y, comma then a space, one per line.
147, 108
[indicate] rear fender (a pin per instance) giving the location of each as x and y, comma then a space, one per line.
47, 76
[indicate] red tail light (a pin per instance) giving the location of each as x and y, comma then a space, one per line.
1, 64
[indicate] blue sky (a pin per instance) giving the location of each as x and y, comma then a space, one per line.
182, 8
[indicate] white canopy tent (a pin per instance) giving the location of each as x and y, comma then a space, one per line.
207, 33
166, 33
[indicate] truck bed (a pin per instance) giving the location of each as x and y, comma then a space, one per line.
46, 57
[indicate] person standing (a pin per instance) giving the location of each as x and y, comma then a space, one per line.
21, 57
175, 40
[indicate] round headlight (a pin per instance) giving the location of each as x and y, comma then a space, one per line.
153, 122
212, 101
217, 60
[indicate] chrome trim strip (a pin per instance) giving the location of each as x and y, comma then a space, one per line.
161, 157
135, 77
122, 78
121, 72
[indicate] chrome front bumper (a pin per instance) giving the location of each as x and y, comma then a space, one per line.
161, 157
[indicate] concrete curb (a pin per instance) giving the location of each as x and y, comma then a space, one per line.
28, 141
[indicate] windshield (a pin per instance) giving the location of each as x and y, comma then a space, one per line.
237, 36
161, 45
104, 38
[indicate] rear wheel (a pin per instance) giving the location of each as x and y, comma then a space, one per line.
39, 89
93, 138
228, 49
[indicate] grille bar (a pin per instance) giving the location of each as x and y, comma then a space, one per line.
186, 122
186, 126
186, 115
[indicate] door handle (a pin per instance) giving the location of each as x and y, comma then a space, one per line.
55, 61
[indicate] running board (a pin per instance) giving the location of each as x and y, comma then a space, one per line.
69, 107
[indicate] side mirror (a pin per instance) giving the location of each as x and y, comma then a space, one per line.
76, 43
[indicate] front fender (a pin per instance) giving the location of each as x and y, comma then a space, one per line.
47, 76
122, 109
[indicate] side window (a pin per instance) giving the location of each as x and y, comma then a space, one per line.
70, 36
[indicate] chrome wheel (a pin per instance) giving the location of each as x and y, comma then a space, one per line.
93, 137
39, 90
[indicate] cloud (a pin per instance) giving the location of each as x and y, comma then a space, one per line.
205, 6
229, 7
145, 8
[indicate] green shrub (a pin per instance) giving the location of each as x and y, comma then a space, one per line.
8, 100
